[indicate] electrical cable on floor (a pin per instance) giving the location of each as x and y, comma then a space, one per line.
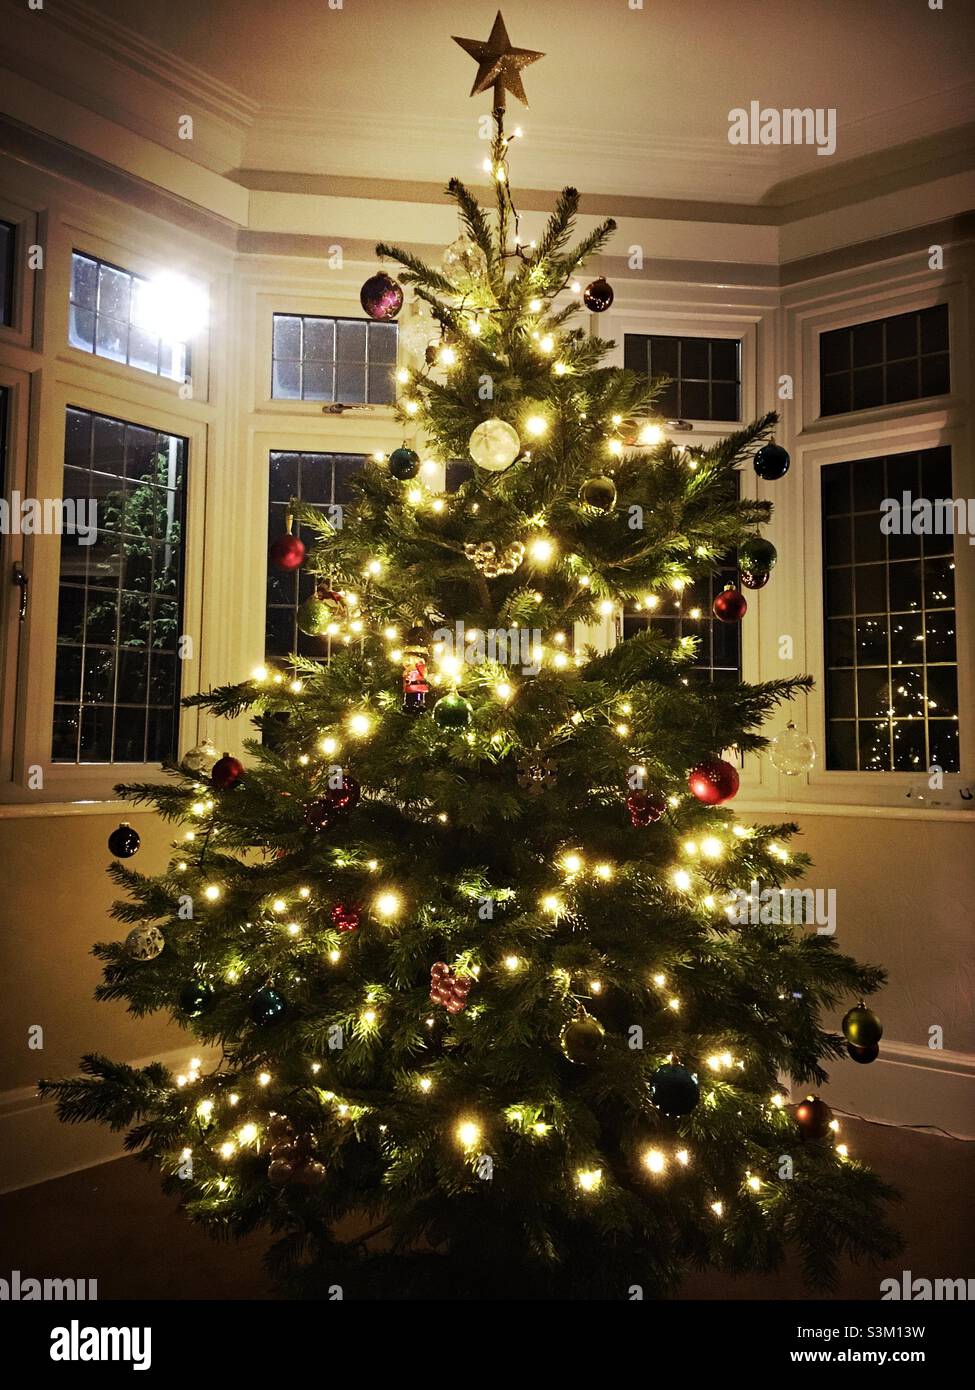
889, 1124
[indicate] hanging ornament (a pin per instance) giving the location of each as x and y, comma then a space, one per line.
599, 492
582, 1038
415, 686
645, 807
418, 330
333, 802
756, 580
490, 562
267, 1005
381, 297
464, 263
291, 1156
729, 606
197, 998
202, 758
813, 1117
124, 841
287, 552
319, 815
862, 1027
713, 781
345, 918
144, 943
449, 989
598, 296
322, 607
227, 772
792, 752
863, 1055
771, 462
757, 555
536, 773
674, 1090
452, 711
494, 445
404, 463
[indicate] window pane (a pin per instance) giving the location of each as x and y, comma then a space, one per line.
108, 315
125, 595
704, 373
319, 479
900, 358
7, 241
891, 682
306, 349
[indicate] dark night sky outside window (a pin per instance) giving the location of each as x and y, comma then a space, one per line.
117, 674
892, 677
705, 374
903, 358
8, 238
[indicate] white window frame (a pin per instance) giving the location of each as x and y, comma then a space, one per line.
26, 223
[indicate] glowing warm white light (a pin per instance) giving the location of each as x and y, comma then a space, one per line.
425, 1084
552, 904
604, 871
205, 1109
651, 435
279, 905
211, 892
589, 1179
264, 1078
718, 1208
388, 904
536, 426
369, 1017
682, 880
512, 963
247, 1134
259, 673
682, 1157
711, 847
503, 690
360, 725
171, 307
468, 1133
655, 1160
534, 306
572, 862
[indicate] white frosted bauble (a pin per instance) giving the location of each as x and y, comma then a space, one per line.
464, 263
202, 758
792, 752
494, 445
418, 330
144, 943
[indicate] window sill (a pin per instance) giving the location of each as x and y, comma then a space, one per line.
795, 810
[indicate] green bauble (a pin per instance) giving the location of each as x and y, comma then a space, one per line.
313, 615
674, 1090
862, 1027
197, 998
599, 492
582, 1039
756, 555
453, 711
404, 463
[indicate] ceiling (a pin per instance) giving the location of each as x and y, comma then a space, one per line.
626, 101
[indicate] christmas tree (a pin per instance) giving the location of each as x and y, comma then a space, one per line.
462, 923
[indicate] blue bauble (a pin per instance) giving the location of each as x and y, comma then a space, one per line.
674, 1090
267, 1005
404, 463
197, 998
772, 462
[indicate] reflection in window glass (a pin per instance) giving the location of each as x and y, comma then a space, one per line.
111, 314
117, 672
891, 661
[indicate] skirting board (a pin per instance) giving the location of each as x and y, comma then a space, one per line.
907, 1085
35, 1146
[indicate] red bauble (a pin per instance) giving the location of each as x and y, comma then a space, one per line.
813, 1117
344, 797
645, 807
756, 579
730, 606
448, 989
287, 552
381, 297
713, 781
227, 772
345, 918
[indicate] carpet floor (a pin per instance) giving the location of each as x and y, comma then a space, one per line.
112, 1224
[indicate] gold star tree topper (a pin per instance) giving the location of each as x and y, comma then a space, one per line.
499, 65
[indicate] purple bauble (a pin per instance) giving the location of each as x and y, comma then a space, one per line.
381, 297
